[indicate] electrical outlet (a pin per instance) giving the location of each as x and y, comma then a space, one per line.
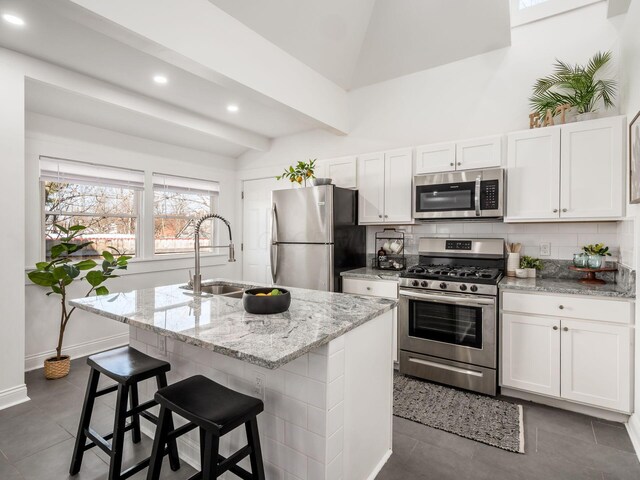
259, 385
545, 249
162, 345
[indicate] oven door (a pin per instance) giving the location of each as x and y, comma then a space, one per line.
452, 326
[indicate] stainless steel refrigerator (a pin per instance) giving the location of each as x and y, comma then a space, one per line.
314, 236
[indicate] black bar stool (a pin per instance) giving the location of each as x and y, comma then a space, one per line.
216, 410
127, 366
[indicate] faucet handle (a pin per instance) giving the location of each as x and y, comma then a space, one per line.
190, 278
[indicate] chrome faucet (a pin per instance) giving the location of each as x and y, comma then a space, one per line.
196, 281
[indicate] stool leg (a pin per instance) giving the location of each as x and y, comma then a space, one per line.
135, 419
210, 466
159, 441
202, 441
174, 459
85, 421
257, 468
117, 444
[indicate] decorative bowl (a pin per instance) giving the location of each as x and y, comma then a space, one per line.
316, 182
265, 304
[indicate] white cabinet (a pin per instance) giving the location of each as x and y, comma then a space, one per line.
595, 364
385, 181
376, 288
462, 155
592, 161
568, 172
531, 353
343, 171
440, 157
533, 175
555, 346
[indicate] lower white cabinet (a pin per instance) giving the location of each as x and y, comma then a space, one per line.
376, 288
576, 359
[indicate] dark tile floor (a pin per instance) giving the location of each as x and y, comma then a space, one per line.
36, 441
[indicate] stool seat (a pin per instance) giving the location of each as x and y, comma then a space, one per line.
209, 404
127, 365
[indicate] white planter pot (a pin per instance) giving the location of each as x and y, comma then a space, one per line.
531, 272
581, 117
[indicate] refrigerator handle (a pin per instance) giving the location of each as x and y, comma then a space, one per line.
274, 240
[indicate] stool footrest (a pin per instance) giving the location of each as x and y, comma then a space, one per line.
93, 436
231, 463
106, 390
140, 409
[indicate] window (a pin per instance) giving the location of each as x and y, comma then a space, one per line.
104, 199
178, 202
527, 11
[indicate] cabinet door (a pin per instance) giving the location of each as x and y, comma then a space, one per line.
371, 192
592, 169
342, 171
596, 364
479, 153
533, 175
398, 166
436, 158
531, 353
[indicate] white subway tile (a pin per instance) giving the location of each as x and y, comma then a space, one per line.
295, 386
336, 392
316, 393
240, 385
287, 408
335, 444
335, 468
318, 367
300, 365
335, 419
286, 458
306, 442
477, 227
145, 336
271, 426
271, 472
316, 470
316, 420
608, 227
138, 345
132, 332
449, 228
336, 365
336, 345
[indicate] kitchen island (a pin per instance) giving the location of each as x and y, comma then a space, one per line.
323, 369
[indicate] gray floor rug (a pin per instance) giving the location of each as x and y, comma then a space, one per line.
477, 417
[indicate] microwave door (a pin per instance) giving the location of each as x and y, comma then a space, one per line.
446, 200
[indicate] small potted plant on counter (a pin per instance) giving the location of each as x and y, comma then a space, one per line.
61, 271
595, 255
530, 265
300, 173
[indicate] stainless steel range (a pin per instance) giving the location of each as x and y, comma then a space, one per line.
448, 313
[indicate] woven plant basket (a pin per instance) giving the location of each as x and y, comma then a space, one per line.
54, 368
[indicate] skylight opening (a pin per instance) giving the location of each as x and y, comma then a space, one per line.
528, 11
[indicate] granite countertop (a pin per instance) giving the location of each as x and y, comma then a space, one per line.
370, 273
220, 323
565, 286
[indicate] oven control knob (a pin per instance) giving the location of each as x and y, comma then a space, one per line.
424, 284
473, 288
463, 287
415, 283
443, 285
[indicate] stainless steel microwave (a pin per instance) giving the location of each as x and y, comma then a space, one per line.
464, 194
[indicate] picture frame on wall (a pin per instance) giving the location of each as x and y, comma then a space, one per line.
634, 159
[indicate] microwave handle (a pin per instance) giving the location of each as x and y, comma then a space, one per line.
477, 196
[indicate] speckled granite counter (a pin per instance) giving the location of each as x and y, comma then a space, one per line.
369, 273
565, 286
220, 323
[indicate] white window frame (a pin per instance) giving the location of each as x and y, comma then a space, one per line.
138, 193
214, 204
544, 10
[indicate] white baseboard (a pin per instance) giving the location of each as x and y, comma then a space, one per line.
633, 428
13, 396
381, 464
35, 361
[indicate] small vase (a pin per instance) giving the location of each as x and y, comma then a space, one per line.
531, 272
594, 261
580, 260
513, 262
55, 368
581, 117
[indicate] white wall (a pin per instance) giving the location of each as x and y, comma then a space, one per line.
50, 136
631, 106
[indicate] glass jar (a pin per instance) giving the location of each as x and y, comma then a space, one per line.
594, 261
580, 260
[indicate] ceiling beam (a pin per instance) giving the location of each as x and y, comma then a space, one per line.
617, 7
203, 39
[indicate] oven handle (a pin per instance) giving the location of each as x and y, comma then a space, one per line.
479, 302
477, 195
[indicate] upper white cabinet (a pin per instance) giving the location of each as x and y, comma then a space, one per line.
343, 171
591, 162
385, 181
533, 175
462, 155
567, 172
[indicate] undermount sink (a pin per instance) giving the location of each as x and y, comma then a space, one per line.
220, 289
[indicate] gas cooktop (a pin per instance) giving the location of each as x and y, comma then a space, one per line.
453, 272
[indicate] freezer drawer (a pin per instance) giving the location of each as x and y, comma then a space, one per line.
303, 265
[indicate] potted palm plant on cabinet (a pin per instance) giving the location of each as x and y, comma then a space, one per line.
62, 270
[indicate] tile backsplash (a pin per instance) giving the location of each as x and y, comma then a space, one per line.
565, 238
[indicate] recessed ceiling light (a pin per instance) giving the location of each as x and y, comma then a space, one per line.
12, 19
232, 108
161, 79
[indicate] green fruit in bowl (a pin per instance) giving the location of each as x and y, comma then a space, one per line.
275, 292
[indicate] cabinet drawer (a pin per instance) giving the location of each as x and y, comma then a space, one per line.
563, 306
376, 288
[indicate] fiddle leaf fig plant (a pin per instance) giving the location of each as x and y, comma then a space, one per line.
300, 173
597, 249
61, 271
